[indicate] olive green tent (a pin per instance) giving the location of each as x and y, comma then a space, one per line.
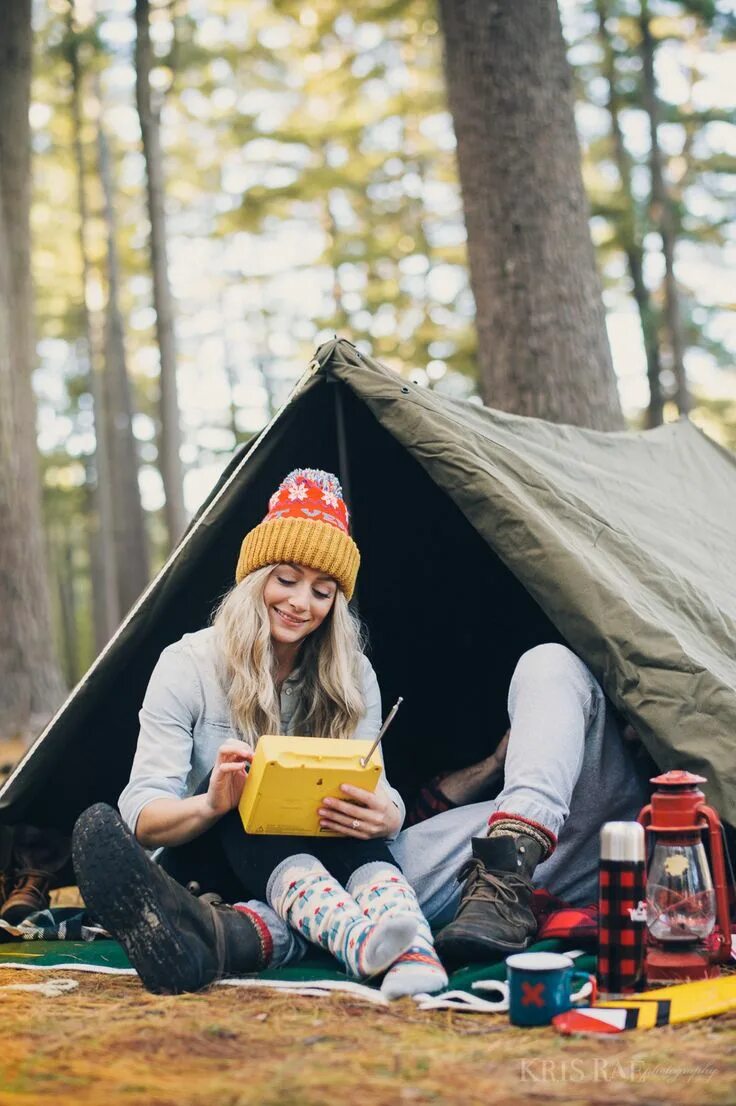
482, 534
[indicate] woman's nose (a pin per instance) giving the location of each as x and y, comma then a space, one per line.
298, 599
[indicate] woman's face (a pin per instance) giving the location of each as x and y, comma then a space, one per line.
298, 599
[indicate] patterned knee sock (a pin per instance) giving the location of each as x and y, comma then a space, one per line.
382, 891
304, 894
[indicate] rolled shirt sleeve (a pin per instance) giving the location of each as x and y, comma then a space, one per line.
367, 729
163, 757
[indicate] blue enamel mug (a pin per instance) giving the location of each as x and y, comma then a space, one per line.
541, 985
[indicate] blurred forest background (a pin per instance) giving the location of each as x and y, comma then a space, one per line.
217, 186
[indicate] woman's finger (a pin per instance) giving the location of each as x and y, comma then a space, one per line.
233, 758
360, 795
357, 826
350, 811
351, 825
233, 746
361, 833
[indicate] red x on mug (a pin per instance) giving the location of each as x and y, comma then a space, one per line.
532, 994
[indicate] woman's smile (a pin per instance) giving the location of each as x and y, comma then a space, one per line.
290, 619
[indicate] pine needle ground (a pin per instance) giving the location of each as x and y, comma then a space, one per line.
111, 1042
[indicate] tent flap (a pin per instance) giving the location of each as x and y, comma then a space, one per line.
618, 544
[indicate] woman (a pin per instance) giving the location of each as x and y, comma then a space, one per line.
284, 655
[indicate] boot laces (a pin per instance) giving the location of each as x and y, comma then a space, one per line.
485, 885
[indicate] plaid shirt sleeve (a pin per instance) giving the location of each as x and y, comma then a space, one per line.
429, 801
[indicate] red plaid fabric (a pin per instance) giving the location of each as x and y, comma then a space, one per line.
620, 938
557, 918
429, 801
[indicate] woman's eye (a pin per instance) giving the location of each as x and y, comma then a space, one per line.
322, 594
287, 583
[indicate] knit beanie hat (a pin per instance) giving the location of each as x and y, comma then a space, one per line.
307, 524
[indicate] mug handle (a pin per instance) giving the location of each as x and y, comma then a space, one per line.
588, 993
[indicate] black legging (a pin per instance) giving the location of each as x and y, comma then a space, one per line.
237, 865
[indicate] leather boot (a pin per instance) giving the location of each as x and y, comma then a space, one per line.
29, 894
175, 941
6, 886
494, 917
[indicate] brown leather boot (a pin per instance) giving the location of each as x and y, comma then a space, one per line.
29, 894
6, 885
494, 917
176, 942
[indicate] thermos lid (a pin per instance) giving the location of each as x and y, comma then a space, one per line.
622, 841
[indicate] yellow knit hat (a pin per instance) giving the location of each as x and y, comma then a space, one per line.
307, 524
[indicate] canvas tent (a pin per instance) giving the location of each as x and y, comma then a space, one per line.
482, 534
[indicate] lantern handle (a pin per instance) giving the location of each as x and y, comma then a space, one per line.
718, 866
644, 817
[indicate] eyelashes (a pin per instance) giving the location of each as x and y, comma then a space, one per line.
290, 583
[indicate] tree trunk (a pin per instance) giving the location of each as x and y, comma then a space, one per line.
106, 611
131, 556
68, 608
543, 348
31, 686
664, 216
630, 232
163, 302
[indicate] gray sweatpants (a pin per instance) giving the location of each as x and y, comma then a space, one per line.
567, 768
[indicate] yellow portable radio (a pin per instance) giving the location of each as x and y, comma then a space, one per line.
290, 776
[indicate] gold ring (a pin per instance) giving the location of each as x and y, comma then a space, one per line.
356, 823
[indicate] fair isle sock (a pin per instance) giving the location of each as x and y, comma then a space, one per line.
304, 894
417, 971
381, 891
501, 824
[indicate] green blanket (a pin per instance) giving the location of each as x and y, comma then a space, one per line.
108, 957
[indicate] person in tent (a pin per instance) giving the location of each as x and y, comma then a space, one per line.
284, 654
526, 818
564, 768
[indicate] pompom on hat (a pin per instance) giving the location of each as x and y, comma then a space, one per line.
306, 524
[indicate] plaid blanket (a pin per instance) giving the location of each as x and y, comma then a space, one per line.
67, 923
557, 921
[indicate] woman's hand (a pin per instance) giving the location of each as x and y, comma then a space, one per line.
228, 776
362, 814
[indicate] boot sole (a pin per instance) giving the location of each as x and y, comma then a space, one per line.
469, 950
114, 878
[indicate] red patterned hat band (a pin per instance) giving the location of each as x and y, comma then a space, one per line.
312, 494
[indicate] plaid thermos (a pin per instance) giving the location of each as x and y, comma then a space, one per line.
622, 907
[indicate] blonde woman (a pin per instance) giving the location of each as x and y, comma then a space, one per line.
284, 655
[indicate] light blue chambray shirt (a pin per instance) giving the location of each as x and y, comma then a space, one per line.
185, 718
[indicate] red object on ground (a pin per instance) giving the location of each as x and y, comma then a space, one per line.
678, 812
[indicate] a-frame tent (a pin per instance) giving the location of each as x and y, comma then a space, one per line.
482, 534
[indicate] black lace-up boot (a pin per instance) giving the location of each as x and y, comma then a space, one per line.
175, 941
494, 917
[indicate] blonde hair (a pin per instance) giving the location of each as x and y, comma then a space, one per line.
331, 701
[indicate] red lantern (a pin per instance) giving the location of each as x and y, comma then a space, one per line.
687, 906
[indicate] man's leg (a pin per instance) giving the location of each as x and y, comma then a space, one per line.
567, 772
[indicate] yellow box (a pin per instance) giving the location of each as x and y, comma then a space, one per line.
290, 776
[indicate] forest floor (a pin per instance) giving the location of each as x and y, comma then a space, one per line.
109, 1041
